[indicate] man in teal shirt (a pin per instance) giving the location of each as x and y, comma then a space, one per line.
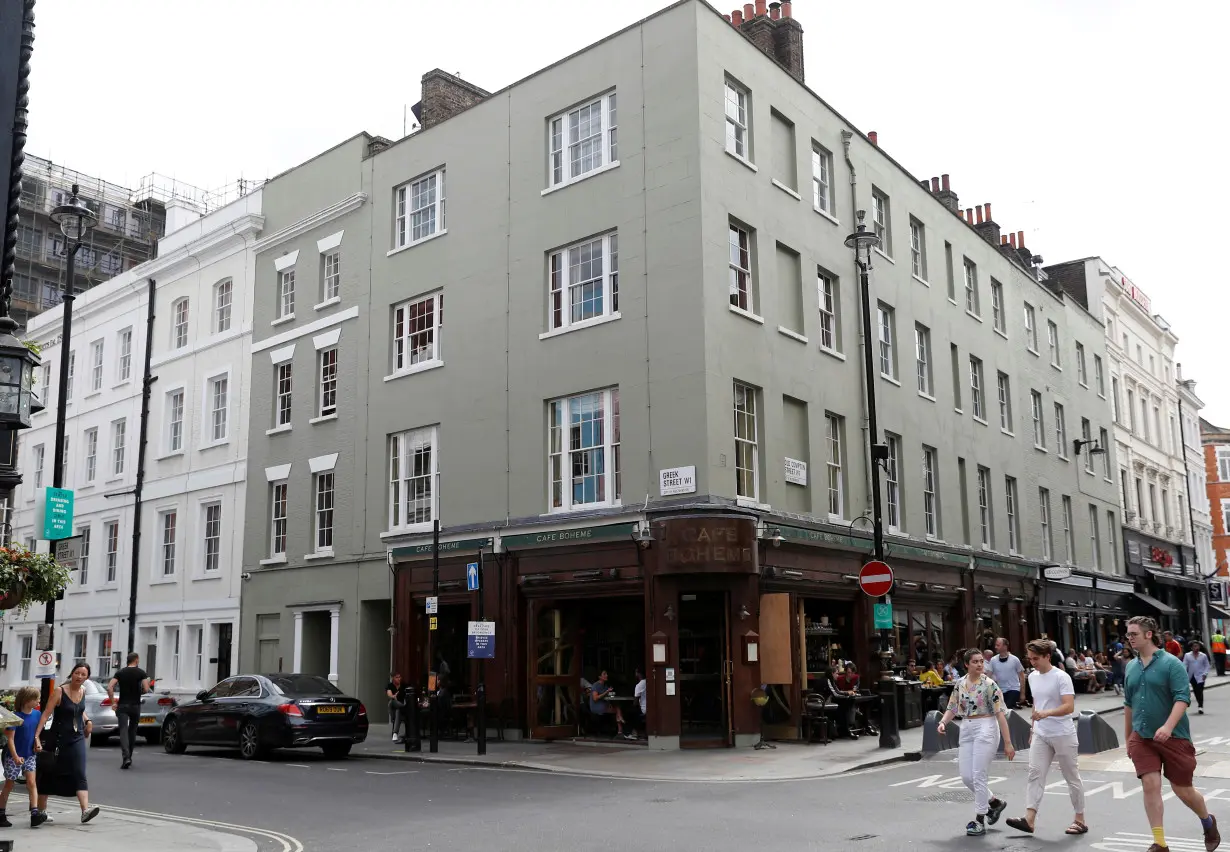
1155, 700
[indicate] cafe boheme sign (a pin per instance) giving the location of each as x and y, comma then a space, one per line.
721, 545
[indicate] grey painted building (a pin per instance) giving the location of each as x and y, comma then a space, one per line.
642, 252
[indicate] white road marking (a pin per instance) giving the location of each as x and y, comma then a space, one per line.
407, 772
1125, 841
335, 769
297, 765
289, 844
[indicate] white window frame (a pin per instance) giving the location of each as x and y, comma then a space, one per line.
998, 315
833, 463
211, 537
91, 454
323, 511
327, 375
97, 357
560, 463
428, 192
1099, 376
124, 365
111, 530
739, 249
1052, 341
27, 657
40, 463
931, 513
1082, 375
1104, 443
1095, 536
1039, 418
279, 523
286, 294
1003, 388
103, 649
219, 415
821, 179
886, 324
405, 479
737, 109
895, 520
83, 564
918, 249
283, 394
405, 353
119, 446
331, 275
45, 394
173, 640
567, 153
168, 542
72, 375
985, 520
1223, 468
1110, 542
1014, 516
224, 295
978, 405
174, 404
1031, 328
881, 221
1061, 431
922, 360
1069, 534
973, 301
827, 292
1044, 519
180, 314
566, 279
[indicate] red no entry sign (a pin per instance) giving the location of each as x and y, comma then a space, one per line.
876, 579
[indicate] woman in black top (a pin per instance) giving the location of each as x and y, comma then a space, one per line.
70, 731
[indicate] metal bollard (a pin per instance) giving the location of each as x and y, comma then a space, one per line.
412, 739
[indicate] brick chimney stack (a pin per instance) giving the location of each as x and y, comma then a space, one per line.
987, 226
941, 189
773, 29
445, 95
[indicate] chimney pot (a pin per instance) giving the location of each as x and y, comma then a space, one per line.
736, 18
874, 138
727, 18
979, 211
969, 215
961, 215
775, 10
935, 184
988, 208
1020, 235
1012, 240
762, 8
786, 13
944, 183
749, 12
1003, 239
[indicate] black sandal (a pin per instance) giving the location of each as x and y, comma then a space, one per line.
1020, 824
1077, 828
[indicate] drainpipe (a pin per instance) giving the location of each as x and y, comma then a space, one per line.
846, 137
147, 382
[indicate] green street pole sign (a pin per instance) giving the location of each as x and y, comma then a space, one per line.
882, 613
58, 514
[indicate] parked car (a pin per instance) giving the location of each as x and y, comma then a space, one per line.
261, 712
154, 708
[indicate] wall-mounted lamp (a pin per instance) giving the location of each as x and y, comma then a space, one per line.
790, 572
1095, 448
960, 589
587, 575
908, 584
937, 587
992, 597
1018, 599
776, 537
853, 578
644, 538
744, 615
669, 615
535, 578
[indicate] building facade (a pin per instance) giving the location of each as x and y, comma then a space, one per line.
187, 558
1215, 443
644, 418
1198, 506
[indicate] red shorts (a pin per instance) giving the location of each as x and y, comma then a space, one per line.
1175, 758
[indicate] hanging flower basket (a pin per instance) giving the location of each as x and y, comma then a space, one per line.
28, 578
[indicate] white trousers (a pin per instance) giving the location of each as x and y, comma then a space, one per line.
979, 742
1042, 751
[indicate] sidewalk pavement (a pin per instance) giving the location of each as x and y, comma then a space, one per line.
787, 762
117, 831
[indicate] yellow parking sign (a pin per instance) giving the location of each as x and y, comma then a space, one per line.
431, 625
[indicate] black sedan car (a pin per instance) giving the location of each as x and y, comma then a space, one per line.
260, 712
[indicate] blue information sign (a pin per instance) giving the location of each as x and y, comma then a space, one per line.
472, 580
480, 640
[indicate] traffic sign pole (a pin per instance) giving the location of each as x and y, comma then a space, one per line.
433, 689
480, 715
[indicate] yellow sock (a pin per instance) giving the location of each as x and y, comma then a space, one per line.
1159, 836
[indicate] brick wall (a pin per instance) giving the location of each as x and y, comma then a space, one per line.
445, 95
1218, 491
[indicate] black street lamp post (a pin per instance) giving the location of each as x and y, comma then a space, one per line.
75, 221
863, 241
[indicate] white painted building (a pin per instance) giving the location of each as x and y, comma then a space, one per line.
1197, 476
188, 564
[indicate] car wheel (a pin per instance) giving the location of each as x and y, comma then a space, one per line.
336, 751
98, 740
171, 742
250, 746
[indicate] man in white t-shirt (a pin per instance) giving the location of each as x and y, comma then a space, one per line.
1008, 672
1053, 738
639, 693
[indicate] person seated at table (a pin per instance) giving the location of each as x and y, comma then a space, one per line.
1103, 669
911, 671
599, 691
847, 681
933, 676
955, 669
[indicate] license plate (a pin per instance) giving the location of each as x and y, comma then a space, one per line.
331, 710
148, 720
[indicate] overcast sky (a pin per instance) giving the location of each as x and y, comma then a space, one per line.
1097, 127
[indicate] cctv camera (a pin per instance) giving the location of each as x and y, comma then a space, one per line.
246, 575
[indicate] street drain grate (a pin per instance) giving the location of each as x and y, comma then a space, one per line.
955, 797
862, 837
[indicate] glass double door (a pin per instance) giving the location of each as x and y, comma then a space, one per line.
705, 670
555, 671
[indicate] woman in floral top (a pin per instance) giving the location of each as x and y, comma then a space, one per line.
977, 699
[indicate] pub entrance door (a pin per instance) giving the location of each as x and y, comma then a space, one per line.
705, 670
555, 671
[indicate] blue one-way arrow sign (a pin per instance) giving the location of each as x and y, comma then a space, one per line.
472, 577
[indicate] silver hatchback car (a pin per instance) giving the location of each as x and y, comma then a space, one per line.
154, 708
